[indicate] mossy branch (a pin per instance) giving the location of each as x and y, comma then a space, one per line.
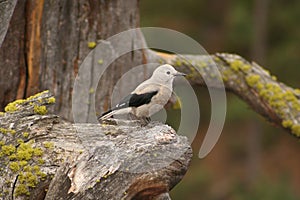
277, 102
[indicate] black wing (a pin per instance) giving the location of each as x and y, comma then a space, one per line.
133, 100
137, 100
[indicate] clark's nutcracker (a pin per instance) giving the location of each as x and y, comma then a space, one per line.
149, 97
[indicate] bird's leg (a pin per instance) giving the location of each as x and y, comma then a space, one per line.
148, 119
132, 116
145, 121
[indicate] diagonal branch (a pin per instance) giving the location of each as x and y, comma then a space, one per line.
277, 102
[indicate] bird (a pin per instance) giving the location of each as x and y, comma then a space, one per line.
147, 98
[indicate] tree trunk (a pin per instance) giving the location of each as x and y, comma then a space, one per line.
47, 41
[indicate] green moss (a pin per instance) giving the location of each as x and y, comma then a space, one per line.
92, 45
252, 80
51, 100
41, 110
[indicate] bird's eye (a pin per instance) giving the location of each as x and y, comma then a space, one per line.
168, 72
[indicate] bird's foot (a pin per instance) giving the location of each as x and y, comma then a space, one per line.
145, 121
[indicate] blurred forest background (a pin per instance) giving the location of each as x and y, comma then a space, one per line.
252, 159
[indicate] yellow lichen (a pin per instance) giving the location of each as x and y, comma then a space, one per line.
296, 129
40, 161
41, 110
235, 65
21, 190
2, 114
91, 90
8, 149
92, 45
297, 91
287, 123
252, 80
5, 131
245, 67
38, 152
25, 134
23, 163
177, 62
177, 104
38, 95
48, 144
100, 61
51, 100
274, 78
25, 152
11, 107
14, 166
20, 141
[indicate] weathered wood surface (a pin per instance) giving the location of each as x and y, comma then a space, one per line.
45, 157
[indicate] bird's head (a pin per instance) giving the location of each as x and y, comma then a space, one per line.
165, 73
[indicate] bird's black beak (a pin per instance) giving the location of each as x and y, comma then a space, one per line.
180, 74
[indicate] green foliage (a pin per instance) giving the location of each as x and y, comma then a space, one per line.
266, 189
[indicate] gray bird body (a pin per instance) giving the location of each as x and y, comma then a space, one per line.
149, 97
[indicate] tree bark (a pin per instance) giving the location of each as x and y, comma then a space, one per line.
45, 157
47, 41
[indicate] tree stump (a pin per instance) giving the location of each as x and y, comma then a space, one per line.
44, 157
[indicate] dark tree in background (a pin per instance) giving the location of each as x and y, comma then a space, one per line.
47, 41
